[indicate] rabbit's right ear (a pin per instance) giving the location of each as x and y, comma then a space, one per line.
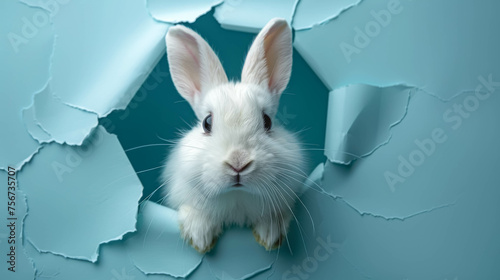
194, 67
269, 60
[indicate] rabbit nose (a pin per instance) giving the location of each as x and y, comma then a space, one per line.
240, 167
239, 161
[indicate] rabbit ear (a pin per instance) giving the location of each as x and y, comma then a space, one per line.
269, 60
194, 67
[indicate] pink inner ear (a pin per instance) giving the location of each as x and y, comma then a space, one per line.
271, 53
190, 52
190, 44
194, 67
197, 62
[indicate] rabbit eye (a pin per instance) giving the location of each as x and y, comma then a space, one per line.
267, 122
207, 124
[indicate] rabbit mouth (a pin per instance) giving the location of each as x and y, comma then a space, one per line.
237, 178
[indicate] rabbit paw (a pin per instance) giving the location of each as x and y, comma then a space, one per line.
269, 235
197, 230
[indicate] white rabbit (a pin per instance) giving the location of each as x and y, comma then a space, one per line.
237, 166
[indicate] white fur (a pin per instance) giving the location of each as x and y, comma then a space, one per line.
199, 181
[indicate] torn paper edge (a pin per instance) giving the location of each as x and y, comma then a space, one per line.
311, 182
21, 234
142, 206
95, 256
32, 5
139, 81
294, 10
21, 164
133, 91
88, 130
250, 29
410, 91
185, 275
249, 275
321, 167
316, 69
328, 19
389, 218
214, 5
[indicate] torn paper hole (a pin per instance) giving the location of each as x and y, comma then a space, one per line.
33, 126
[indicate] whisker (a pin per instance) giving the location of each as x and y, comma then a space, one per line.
302, 176
284, 226
301, 202
145, 146
150, 169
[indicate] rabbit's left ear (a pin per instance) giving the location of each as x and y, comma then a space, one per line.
269, 60
194, 67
